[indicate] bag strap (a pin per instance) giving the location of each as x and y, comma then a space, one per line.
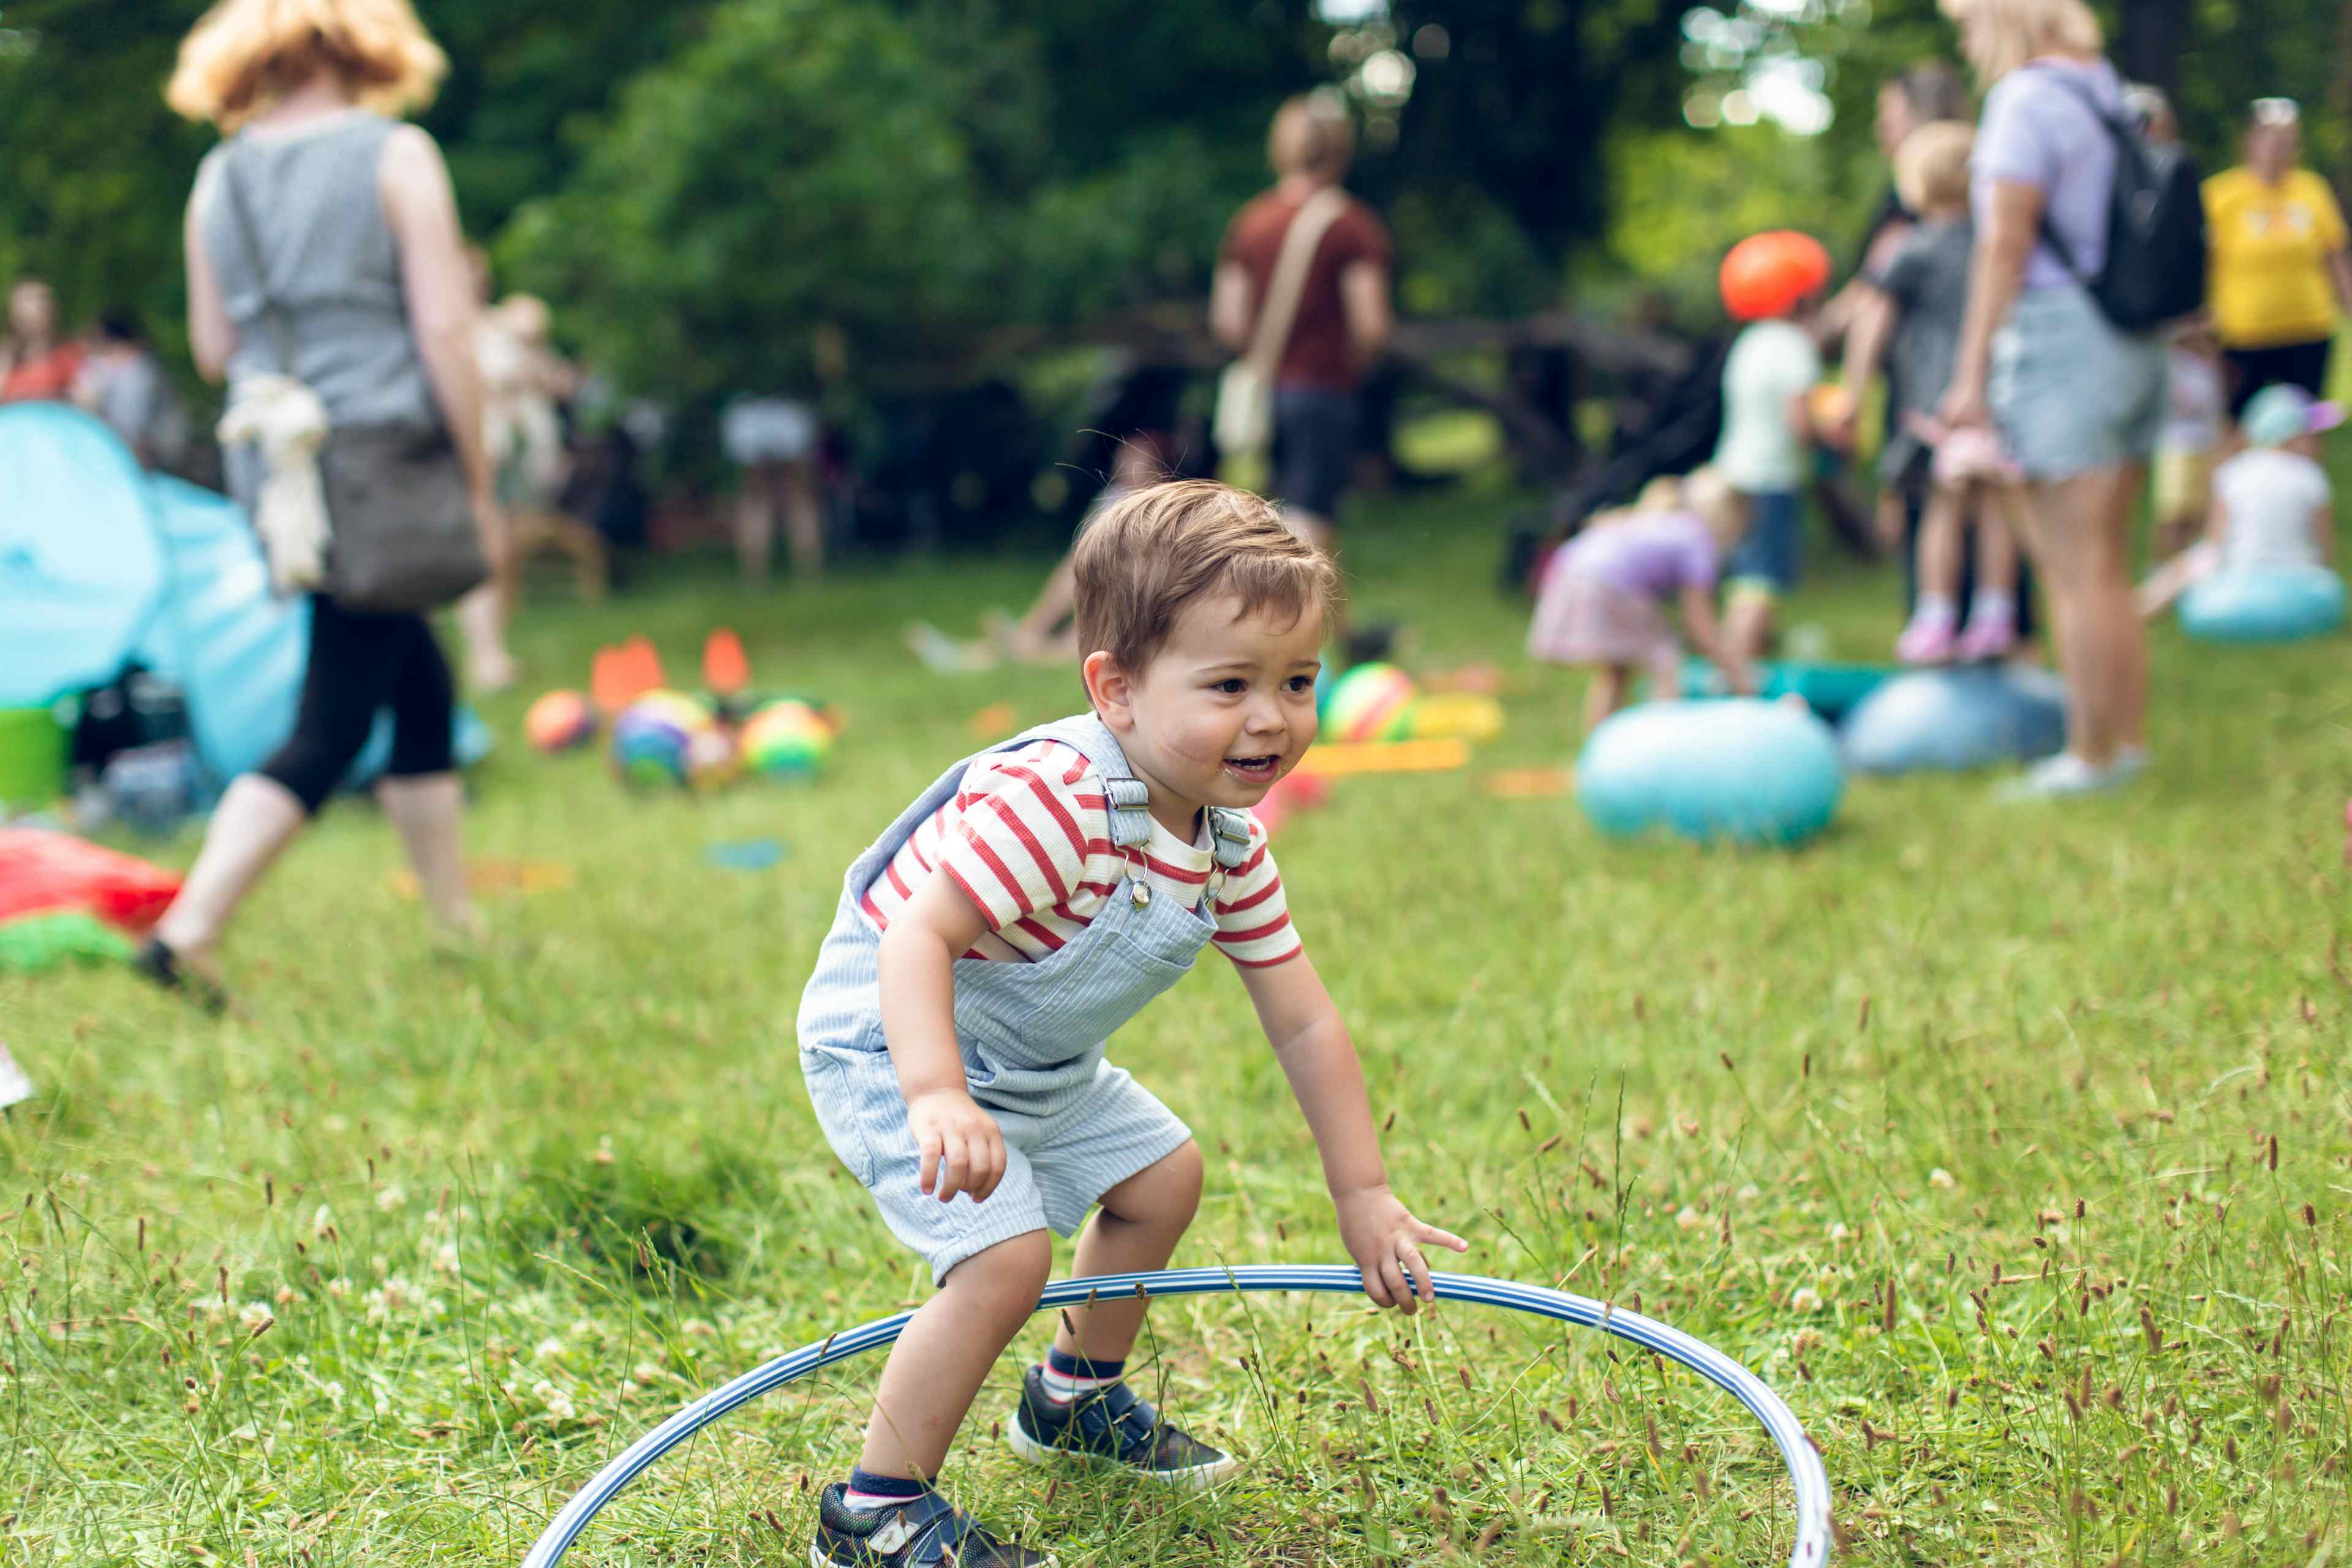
251, 232
2118, 133
1287, 286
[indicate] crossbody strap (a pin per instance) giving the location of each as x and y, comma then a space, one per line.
1287, 286
241, 211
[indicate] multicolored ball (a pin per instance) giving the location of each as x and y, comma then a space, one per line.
558, 721
1371, 702
654, 739
788, 738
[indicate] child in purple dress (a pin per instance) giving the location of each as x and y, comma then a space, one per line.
1605, 593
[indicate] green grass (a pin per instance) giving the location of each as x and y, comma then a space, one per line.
2014, 1146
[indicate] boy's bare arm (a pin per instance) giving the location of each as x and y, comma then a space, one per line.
1311, 1042
961, 1146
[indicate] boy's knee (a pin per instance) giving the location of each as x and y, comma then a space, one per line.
1167, 1190
1010, 1274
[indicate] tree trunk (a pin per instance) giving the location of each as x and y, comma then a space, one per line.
2155, 34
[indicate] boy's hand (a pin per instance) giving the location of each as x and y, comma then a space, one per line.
1385, 1240
962, 1147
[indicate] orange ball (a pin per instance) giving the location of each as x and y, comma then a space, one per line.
1770, 274
558, 721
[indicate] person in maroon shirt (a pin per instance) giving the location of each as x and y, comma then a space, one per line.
1343, 318
34, 366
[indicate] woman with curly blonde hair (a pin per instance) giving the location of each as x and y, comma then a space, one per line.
328, 284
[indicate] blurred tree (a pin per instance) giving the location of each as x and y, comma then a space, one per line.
94, 170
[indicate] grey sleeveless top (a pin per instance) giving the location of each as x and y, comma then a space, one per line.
332, 268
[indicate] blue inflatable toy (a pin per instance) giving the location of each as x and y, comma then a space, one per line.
2263, 604
79, 571
1966, 717
102, 564
1744, 770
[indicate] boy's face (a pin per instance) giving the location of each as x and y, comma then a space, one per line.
1224, 708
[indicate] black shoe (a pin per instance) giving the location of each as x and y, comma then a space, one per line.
1111, 1425
162, 965
930, 1532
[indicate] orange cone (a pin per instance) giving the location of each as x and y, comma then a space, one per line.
725, 670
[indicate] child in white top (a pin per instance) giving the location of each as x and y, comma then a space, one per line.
2273, 505
1765, 453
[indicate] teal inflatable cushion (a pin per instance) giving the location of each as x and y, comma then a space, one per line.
2263, 604
1742, 770
1953, 719
79, 571
1831, 691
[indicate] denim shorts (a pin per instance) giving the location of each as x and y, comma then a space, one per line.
1767, 557
2071, 392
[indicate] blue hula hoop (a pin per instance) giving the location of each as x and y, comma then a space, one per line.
1809, 1480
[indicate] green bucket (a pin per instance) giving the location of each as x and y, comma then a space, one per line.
32, 758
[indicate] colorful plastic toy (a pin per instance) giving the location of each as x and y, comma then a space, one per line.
654, 738
558, 721
1369, 702
788, 738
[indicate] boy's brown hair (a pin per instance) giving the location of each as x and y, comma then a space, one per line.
1157, 549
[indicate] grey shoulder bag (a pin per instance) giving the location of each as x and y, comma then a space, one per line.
400, 517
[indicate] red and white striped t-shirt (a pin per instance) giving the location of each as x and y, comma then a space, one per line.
1027, 838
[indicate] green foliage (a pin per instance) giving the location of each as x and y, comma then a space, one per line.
94, 170
793, 169
1683, 199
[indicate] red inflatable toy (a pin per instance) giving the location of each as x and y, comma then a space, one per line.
1768, 275
41, 872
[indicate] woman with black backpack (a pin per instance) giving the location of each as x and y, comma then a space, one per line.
2053, 357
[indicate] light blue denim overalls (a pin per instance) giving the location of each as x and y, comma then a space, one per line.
1032, 1034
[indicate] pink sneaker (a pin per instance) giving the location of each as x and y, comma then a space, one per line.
1927, 640
1988, 637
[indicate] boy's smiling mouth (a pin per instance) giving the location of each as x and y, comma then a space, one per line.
1258, 770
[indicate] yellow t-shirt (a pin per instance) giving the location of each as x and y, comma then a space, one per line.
2271, 245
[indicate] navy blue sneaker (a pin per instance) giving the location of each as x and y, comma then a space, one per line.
1112, 1425
929, 1533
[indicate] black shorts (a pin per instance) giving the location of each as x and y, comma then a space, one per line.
1314, 445
2296, 365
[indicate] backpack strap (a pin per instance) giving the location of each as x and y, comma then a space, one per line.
2118, 133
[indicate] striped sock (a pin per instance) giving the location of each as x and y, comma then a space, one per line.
1069, 1377
868, 1491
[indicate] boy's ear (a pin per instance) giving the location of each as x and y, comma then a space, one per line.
1111, 691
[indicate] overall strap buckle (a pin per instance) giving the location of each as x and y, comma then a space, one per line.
1130, 812
1229, 836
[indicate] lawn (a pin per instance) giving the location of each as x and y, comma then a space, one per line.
2014, 1145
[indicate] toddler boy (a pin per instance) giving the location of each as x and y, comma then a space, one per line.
1027, 905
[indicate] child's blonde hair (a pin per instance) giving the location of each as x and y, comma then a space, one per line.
1711, 495
1931, 167
1157, 549
244, 53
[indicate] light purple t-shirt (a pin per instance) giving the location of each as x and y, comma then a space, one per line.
2037, 130
1658, 555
